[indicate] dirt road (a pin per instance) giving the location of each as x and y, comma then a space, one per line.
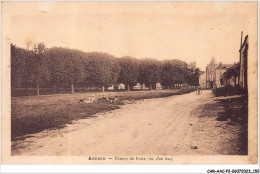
162, 126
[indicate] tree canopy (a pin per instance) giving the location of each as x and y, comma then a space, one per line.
64, 67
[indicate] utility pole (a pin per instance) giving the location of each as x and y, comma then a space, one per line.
240, 57
240, 46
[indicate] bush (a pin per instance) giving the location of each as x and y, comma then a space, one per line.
229, 91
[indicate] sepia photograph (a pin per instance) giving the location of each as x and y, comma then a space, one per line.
129, 82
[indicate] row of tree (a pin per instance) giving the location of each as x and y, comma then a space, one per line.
62, 67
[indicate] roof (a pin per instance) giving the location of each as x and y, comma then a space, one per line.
223, 66
232, 71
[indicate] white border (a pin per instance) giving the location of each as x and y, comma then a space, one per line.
120, 168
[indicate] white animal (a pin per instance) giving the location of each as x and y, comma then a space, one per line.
89, 100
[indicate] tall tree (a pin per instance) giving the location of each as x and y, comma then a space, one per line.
56, 66
27, 68
149, 72
19, 67
40, 74
129, 71
66, 67
173, 72
192, 75
115, 71
74, 69
102, 69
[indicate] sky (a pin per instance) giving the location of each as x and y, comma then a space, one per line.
189, 31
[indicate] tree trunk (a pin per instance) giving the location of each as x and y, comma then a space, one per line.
84, 87
55, 88
128, 87
102, 88
38, 90
72, 89
65, 88
142, 86
150, 86
58, 89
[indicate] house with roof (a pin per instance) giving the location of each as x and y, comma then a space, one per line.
231, 76
213, 74
220, 70
243, 63
237, 74
202, 80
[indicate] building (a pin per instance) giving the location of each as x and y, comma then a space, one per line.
220, 70
139, 86
202, 80
119, 86
219, 75
237, 74
231, 76
243, 63
210, 74
214, 73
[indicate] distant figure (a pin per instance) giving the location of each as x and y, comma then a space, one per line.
198, 91
81, 100
113, 99
109, 97
99, 99
103, 99
92, 98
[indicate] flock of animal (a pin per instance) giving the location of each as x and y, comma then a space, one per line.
92, 99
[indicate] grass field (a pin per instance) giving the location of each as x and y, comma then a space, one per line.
33, 114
